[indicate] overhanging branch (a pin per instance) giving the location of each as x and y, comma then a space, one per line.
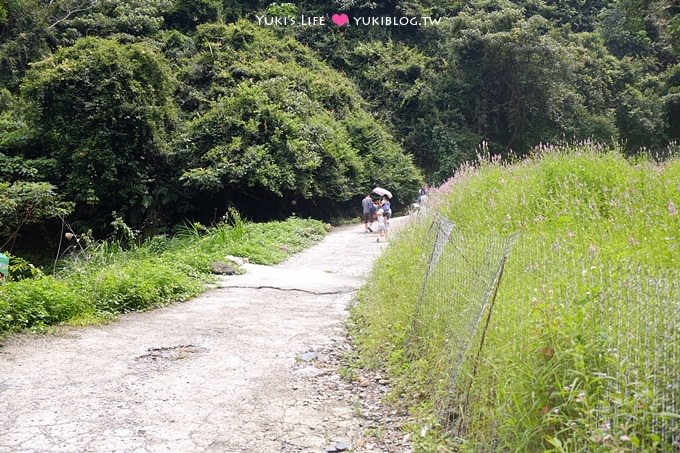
69, 8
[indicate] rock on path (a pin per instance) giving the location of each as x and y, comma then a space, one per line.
222, 372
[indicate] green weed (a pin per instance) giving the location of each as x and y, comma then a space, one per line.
104, 279
598, 252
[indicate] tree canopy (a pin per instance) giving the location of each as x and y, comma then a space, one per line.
165, 109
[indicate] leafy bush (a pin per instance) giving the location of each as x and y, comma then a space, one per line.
20, 269
283, 123
23, 203
44, 301
142, 284
104, 110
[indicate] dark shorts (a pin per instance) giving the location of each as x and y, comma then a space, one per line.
367, 217
387, 215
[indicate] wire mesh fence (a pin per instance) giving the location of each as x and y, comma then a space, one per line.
459, 286
637, 317
595, 343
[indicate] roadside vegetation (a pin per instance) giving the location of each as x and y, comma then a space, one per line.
595, 264
119, 116
100, 280
161, 110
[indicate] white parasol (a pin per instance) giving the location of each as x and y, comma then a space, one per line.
381, 191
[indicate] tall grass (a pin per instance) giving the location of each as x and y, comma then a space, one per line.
590, 222
104, 279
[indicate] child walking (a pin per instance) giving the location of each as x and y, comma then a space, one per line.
382, 226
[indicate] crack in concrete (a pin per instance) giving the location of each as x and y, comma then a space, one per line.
306, 291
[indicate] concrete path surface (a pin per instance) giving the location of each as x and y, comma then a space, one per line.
221, 372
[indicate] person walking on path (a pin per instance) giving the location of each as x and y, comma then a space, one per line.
382, 226
367, 215
422, 193
387, 209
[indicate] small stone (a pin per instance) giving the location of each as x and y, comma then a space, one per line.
364, 383
308, 356
330, 449
222, 269
343, 446
238, 260
308, 371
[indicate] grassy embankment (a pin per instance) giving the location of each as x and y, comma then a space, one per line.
572, 288
104, 280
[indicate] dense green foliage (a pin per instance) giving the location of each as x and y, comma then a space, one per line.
282, 122
516, 74
165, 109
102, 280
149, 112
587, 217
104, 111
25, 202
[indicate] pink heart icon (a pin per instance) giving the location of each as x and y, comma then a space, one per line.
340, 19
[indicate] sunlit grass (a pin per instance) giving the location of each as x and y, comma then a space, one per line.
599, 235
104, 279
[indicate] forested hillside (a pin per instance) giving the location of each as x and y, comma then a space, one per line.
152, 111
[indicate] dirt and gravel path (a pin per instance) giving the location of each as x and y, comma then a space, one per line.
250, 366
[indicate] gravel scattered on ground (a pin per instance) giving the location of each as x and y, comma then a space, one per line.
252, 365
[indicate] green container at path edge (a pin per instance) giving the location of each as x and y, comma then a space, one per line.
4, 265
